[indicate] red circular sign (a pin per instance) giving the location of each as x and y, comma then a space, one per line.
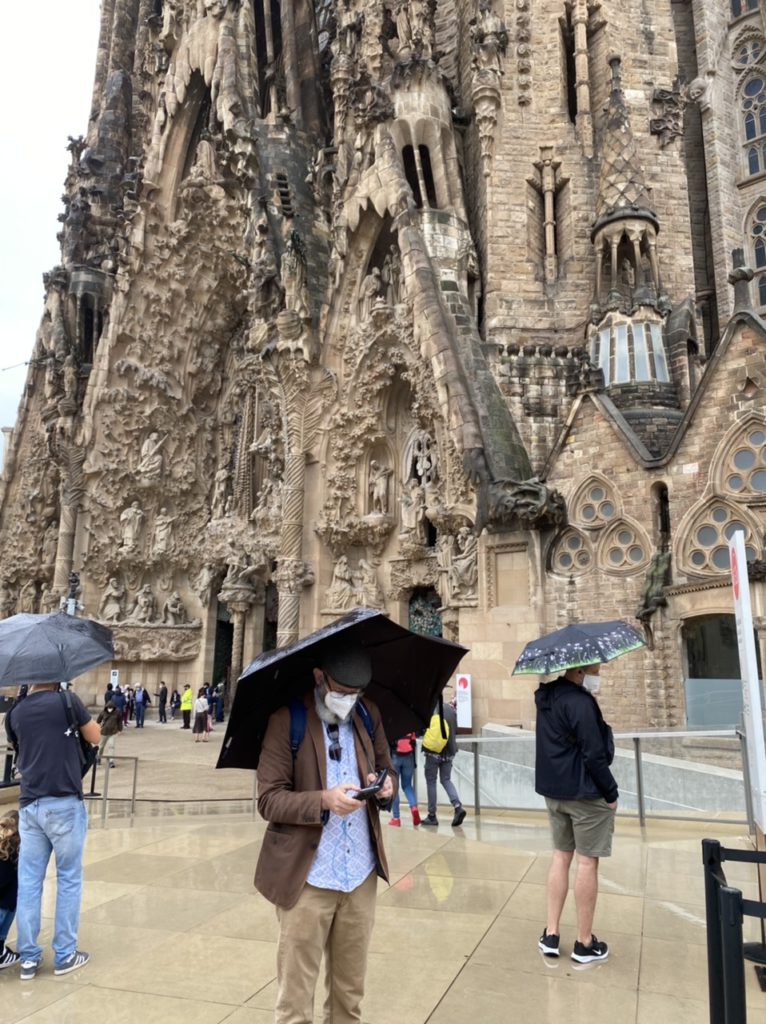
462, 681
735, 574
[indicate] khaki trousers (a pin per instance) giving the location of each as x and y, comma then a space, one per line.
338, 925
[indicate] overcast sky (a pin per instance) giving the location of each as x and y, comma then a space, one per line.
46, 74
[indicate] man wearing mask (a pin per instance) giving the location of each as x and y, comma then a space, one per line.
323, 851
573, 754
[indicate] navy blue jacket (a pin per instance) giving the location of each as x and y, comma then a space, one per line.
574, 744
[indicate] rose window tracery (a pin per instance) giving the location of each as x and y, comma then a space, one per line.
623, 548
595, 506
572, 553
745, 468
709, 539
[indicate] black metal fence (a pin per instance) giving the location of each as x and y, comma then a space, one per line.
725, 909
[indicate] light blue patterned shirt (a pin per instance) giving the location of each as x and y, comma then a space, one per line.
345, 856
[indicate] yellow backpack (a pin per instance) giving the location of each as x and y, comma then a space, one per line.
433, 739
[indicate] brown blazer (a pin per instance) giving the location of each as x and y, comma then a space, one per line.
289, 798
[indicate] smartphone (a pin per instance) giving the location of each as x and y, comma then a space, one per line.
374, 788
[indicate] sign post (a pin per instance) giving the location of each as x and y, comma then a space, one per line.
751, 690
752, 713
463, 698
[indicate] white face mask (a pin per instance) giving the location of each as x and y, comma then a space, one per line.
340, 704
591, 683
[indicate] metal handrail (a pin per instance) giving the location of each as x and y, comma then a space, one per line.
473, 743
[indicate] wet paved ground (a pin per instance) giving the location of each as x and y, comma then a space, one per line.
178, 935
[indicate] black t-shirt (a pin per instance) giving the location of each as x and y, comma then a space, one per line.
48, 760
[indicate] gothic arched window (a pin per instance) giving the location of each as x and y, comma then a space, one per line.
754, 123
740, 7
758, 241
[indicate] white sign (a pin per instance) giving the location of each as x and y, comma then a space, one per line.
463, 698
114, 677
748, 666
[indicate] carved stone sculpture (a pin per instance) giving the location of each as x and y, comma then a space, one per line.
163, 532
293, 271
111, 607
370, 595
370, 292
341, 595
174, 611
150, 464
379, 477
464, 570
413, 505
131, 522
145, 608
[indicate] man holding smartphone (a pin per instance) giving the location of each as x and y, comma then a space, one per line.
323, 849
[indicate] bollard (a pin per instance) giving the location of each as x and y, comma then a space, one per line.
733, 963
711, 860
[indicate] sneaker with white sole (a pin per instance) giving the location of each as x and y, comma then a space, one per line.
28, 969
8, 958
77, 959
589, 954
548, 944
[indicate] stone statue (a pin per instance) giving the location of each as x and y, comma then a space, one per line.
111, 605
131, 521
266, 286
370, 592
370, 291
340, 594
293, 272
173, 611
392, 272
50, 544
163, 532
220, 487
464, 571
657, 578
413, 505
403, 26
7, 602
145, 608
70, 378
379, 488
150, 464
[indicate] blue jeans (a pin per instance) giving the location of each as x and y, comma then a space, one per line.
6, 920
51, 824
405, 766
140, 712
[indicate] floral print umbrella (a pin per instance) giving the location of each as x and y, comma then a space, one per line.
582, 643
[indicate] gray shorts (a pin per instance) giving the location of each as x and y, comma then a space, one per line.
586, 826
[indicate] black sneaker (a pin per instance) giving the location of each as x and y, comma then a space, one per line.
588, 954
459, 816
430, 821
8, 958
548, 944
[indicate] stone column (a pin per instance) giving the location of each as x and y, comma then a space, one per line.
584, 121
238, 610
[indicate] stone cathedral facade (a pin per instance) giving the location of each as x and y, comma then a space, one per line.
421, 305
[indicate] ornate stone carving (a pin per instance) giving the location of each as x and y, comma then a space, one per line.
379, 485
156, 642
162, 537
144, 608
523, 52
489, 39
131, 523
670, 104
174, 611
150, 464
353, 588
111, 607
528, 503
457, 559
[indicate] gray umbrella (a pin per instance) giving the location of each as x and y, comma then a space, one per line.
50, 648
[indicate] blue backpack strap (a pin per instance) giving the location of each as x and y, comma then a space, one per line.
364, 713
297, 725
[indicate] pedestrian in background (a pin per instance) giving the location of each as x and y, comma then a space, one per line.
9, 870
439, 764
403, 760
130, 704
175, 703
162, 699
187, 702
52, 819
201, 716
110, 721
142, 701
574, 749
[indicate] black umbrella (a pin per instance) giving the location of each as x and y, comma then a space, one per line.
409, 672
582, 643
50, 648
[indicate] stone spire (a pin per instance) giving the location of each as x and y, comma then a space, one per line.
622, 191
